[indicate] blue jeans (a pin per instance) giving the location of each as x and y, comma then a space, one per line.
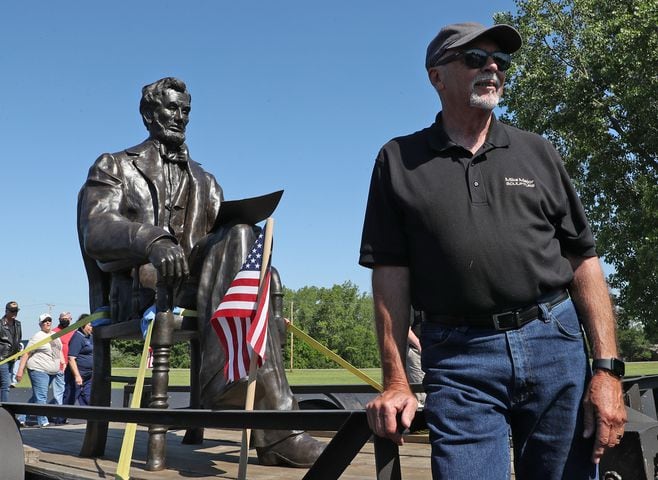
58, 388
58, 395
77, 393
40, 383
5, 380
13, 372
483, 385
83, 392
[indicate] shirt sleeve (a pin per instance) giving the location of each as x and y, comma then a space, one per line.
75, 345
383, 241
572, 229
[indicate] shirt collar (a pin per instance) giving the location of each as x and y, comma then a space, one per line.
440, 141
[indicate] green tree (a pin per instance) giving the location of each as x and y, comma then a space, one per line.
633, 344
340, 317
586, 78
127, 353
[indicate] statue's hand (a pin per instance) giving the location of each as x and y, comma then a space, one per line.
169, 259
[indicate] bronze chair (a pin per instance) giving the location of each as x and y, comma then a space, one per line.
168, 329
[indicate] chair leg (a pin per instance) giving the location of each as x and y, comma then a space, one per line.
161, 342
194, 436
101, 394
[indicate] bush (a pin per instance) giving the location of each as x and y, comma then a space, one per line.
633, 344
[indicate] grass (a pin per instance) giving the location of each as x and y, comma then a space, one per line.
641, 368
329, 376
339, 376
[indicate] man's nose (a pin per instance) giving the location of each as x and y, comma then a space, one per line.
491, 65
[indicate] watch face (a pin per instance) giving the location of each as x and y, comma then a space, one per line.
619, 367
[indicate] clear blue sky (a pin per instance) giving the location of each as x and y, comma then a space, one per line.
293, 95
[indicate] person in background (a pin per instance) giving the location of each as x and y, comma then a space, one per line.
43, 365
81, 362
15, 369
413, 366
10, 344
59, 385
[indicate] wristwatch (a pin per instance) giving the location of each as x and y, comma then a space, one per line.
613, 365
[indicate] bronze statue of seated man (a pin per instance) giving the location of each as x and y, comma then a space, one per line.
152, 208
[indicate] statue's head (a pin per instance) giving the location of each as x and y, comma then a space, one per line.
165, 109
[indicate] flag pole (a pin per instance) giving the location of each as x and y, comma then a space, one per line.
253, 361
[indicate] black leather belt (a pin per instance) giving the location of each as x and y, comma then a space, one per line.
508, 320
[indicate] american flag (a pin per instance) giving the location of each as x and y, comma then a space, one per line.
241, 318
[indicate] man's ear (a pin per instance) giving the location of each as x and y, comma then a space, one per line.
434, 74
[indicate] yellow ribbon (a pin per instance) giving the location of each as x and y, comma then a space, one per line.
125, 457
320, 348
333, 356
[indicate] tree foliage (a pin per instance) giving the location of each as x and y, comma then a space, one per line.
127, 353
340, 317
586, 78
633, 344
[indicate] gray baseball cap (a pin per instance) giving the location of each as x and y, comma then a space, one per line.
460, 34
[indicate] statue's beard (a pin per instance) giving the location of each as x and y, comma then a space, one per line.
169, 137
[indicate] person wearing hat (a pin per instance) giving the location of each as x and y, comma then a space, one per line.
476, 224
43, 365
10, 344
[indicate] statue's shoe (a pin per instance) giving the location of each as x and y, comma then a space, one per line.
299, 450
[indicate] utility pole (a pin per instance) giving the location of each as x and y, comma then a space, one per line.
50, 308
292, 338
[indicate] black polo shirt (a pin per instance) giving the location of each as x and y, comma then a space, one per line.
480, 233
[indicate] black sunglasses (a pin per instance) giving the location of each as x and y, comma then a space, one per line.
477, 58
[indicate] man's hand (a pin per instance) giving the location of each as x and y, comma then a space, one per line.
391, 413
414, 341
605, 414
169, 259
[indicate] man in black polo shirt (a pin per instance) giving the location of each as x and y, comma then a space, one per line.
476, 224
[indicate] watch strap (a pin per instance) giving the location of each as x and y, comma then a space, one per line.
613, 365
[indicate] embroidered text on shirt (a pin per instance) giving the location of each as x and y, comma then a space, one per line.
519, 182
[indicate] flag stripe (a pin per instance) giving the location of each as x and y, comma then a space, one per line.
240, 297
257, 336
